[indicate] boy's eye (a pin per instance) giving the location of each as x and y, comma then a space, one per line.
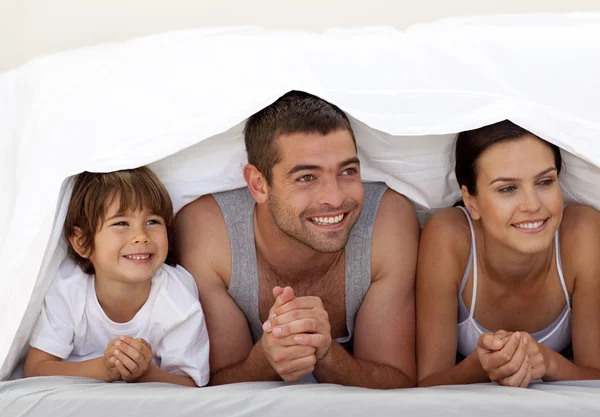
154, 221
306, 178
121, 223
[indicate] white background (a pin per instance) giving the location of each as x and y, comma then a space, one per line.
30, 28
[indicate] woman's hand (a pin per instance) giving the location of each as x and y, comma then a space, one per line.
538, 356
503, 356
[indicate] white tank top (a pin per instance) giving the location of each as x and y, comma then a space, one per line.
557, 336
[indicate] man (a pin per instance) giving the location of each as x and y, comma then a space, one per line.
305, 271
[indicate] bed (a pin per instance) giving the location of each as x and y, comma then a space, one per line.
178, 101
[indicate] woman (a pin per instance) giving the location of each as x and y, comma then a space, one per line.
521, 273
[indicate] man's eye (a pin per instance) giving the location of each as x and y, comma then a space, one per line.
306, 178
350, 171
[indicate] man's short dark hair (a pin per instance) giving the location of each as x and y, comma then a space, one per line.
294, 112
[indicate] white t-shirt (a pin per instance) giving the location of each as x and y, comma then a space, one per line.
73, 326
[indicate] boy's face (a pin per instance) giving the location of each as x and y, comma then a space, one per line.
129, 247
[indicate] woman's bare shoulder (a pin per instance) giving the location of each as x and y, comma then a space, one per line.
448, 226
580, 231
445, 243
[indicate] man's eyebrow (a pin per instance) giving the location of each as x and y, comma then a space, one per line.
504, 179
307, 167
301, 167
353, 160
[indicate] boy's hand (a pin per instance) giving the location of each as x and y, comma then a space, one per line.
110, 361
133, 357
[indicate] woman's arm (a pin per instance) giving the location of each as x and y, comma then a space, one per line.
580, 240
439, 272
445, 240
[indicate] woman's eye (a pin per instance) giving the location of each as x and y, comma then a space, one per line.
546, 183
507, 190
306, 178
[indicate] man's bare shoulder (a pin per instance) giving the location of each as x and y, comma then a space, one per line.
202, 240
395, 234
395, 207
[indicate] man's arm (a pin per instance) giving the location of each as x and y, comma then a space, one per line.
384, 335
204, 250
384, 339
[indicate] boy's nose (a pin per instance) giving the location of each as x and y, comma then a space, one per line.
141, 237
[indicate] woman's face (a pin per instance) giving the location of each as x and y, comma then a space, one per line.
518, 199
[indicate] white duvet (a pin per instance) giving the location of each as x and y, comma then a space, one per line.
177, 101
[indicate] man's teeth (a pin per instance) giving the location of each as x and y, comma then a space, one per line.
328, 220
138, 257
534, 225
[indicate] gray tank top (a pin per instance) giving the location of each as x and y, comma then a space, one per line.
237, 207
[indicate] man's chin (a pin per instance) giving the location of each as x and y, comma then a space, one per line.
327, 247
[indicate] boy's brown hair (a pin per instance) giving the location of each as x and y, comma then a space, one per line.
94, 192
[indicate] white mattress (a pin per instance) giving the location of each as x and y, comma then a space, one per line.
77, 397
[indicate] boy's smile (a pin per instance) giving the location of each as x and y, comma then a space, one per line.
130, 246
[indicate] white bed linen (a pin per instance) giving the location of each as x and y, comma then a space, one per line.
76, 397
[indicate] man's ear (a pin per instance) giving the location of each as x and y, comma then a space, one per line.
76, 239
470, 203
257, 183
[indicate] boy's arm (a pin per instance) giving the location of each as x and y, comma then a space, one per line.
155, 374
40, 363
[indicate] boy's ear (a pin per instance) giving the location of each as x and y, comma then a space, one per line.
470, 203
257, 184
76, 239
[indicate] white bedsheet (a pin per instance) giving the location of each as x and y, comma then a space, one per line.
178, 100
76, 397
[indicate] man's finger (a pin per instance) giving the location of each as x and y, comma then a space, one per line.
288, 317
277, 291
307, 325
285, 297
309, 339
300, 364
305, 302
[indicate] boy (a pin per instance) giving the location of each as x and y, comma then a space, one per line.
119, 312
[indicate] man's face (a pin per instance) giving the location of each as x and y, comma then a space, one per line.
316, 193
